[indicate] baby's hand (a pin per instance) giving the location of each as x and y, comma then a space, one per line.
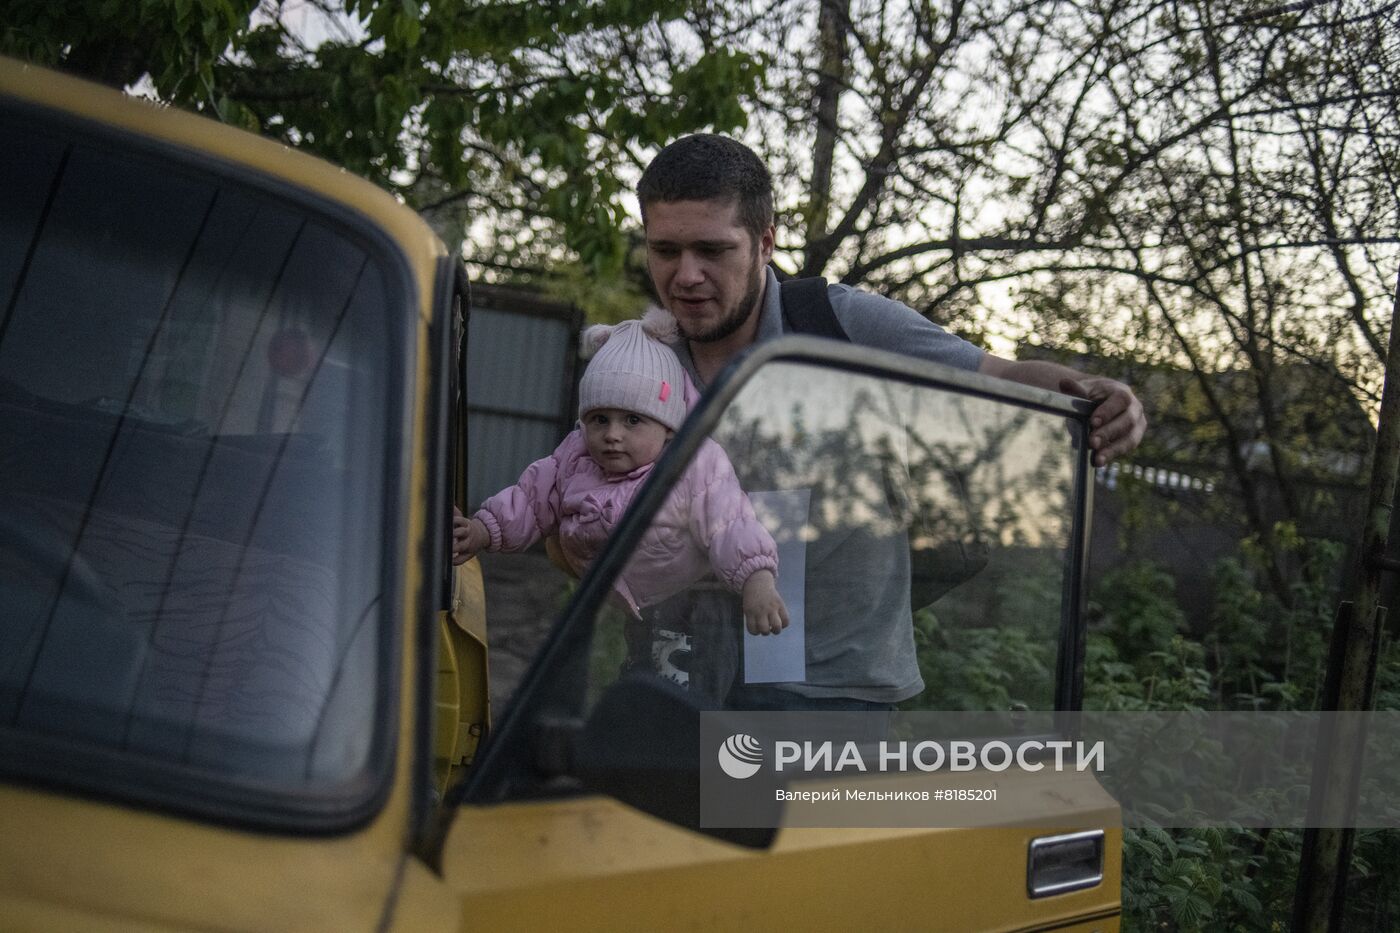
764, 612
469, 536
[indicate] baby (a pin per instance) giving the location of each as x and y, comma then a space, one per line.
631, 400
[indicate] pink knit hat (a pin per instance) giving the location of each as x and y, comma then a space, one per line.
633, 369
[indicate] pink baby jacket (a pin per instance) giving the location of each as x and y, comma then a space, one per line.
706, 523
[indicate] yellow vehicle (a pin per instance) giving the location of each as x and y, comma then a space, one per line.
241, 686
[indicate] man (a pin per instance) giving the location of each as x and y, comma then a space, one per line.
707, 212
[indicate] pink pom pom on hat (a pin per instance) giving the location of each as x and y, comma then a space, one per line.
633, 369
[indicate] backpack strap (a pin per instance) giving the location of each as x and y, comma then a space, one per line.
807, 309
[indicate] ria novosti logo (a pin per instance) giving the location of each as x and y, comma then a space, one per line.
740, 756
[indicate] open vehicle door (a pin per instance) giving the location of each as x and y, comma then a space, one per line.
931, 533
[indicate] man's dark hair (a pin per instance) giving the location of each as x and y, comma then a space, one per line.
706, 167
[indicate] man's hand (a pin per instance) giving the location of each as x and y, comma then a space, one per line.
764, 612
469, 536
1117, 424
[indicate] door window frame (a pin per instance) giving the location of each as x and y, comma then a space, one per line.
506, 767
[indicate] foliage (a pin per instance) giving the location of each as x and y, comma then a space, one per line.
1205, 193
527, 114
1208, 879
1373, 899
176, 43
607, 653
979, 668
1140, 657
1269, 652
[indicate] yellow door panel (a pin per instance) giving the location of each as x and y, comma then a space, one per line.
463, 699
25, 914
423, 903
62, 856
575, 863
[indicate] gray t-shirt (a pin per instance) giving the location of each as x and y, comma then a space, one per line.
870, 320
859, 632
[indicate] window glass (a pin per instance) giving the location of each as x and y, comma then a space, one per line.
922, 542
193, 398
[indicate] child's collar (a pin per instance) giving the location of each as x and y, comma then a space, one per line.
633, 474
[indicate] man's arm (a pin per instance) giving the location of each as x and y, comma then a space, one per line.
1118, 422
874, 321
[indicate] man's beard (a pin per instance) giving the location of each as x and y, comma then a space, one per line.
737, 314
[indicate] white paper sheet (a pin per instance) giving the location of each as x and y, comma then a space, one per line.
782, 658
